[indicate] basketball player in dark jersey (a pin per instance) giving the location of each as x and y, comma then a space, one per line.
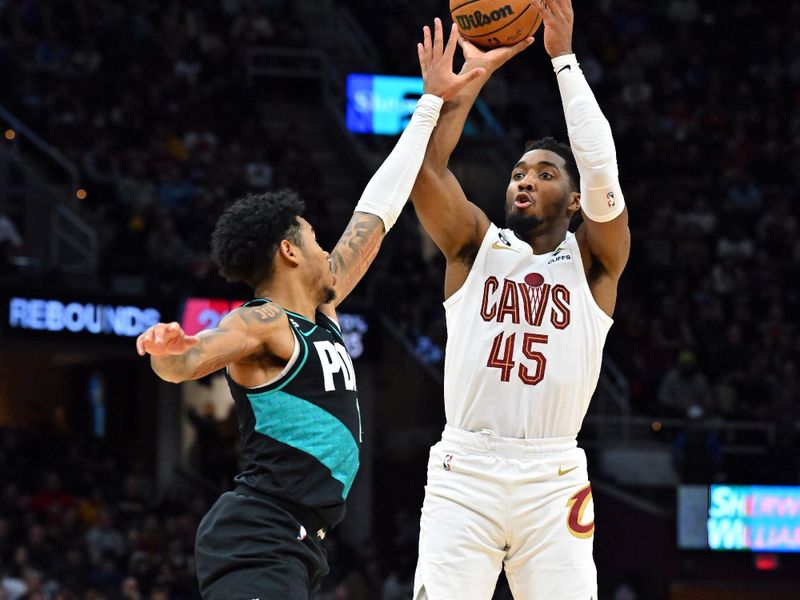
287, 366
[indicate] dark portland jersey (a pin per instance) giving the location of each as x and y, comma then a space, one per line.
301, 433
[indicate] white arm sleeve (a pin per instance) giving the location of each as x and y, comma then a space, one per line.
388, 190
591, 141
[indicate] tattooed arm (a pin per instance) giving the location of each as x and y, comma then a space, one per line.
388, 190
176, 357
355, 251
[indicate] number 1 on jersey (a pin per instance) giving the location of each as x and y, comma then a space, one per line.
506, 362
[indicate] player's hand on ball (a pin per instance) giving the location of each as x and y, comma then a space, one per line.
436, 63
558, 18
491, 60
165, 339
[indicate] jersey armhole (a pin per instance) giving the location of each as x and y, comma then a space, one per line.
578, 262
491, 232
284, 372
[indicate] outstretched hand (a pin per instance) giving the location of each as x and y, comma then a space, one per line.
558, 18
490, 60
436, 63
165, 339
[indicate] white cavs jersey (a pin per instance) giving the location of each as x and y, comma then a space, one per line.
525, 341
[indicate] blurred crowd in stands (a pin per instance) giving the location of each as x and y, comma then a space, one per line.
79, 522
703, 99
152, 100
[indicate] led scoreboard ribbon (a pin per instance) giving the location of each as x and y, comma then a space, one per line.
95, 318
755, 518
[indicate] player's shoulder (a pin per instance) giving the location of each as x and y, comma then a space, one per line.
256, 315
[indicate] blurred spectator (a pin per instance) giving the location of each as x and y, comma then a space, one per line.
103, 539
40, 548
697, 450
90, 507
131, 506
684, 387
259, 173
51, 502
129, 590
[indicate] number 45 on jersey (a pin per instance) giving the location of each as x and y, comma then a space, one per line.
530, 374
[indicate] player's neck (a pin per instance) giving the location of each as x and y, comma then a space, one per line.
291, 294
542, 242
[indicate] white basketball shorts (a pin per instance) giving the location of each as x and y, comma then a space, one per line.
519, 504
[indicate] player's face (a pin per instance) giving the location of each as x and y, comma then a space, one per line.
318, 268
539, 191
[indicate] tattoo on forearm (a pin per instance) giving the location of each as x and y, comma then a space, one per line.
356, 250
192, 361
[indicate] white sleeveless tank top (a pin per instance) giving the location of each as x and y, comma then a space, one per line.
525, 341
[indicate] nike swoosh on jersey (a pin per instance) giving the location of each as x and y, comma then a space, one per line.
565, 471
499, 246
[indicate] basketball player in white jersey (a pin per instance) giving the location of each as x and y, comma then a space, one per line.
528, 308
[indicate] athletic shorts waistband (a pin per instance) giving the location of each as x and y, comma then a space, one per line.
488, 442
308, 517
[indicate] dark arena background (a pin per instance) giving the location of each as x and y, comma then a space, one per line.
125, 129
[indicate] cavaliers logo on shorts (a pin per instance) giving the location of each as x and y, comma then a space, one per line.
578, 503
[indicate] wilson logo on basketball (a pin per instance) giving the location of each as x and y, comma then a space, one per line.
479, 19
578, 503
492, 23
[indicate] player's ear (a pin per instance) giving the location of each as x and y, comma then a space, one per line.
289, 252
574, 205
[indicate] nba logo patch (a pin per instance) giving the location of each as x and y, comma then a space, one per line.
612, 201
448, 458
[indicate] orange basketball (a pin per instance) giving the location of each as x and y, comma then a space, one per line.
492, 23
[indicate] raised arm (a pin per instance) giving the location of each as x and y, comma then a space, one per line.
388, 190
604, 235
177, 357
455, 224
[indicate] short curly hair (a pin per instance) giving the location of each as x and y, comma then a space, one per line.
248, 234
564, 151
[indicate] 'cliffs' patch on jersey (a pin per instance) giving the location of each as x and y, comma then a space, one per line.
557, 255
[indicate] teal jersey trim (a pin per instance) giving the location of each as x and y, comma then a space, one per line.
310, 331
309, 428
298, 315
295, 370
